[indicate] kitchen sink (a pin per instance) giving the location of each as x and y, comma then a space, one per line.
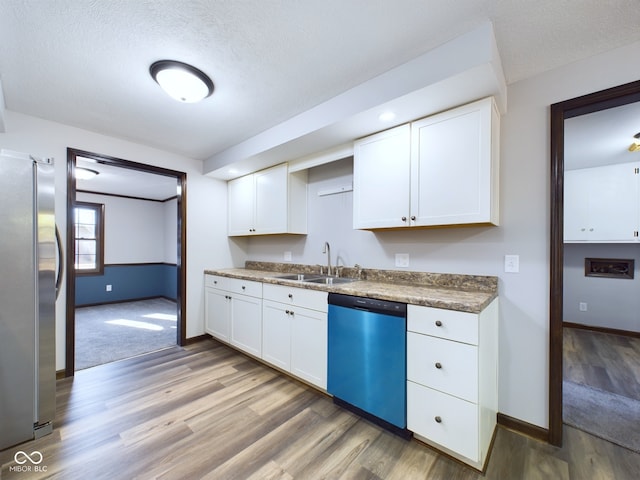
301, 277
316, 278
331, 280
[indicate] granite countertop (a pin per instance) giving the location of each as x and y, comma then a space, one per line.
465, 293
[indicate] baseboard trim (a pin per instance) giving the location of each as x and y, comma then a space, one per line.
523, 427
199, 338
60, 374
612, 331
125, 301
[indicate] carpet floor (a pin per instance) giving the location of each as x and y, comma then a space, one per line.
604, 414
106, 333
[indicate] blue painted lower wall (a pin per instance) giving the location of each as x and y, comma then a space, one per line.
129, 282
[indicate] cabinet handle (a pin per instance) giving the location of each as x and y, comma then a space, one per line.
291, 312
438, 365
243, 287
287, 312
215, 282
438, 419
404, 219
413, 218
291, 295
438, 323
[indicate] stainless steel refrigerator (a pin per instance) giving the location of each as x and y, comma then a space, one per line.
28, 258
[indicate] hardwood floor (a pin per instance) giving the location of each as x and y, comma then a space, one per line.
208, 412
602, 360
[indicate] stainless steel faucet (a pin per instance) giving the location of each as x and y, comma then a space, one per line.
327, 250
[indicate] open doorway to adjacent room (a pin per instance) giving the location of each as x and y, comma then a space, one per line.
594, 320
126, 279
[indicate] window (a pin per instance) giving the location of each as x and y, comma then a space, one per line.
89, 238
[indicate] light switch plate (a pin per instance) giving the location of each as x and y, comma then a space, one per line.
512, 263
402, 260
287, 256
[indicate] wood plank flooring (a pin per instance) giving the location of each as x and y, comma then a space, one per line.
602, 360
208, 412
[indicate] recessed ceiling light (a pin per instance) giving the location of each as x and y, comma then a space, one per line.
386, 116
181, 81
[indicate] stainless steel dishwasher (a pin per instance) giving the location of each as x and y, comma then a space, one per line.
367, 370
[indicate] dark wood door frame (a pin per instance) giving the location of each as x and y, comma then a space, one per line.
594, 102
181, 178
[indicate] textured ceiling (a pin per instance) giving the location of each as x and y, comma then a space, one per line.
85, 62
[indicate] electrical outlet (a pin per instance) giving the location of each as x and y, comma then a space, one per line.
512, 263
583, 306
287, 256
108, 288
402, 260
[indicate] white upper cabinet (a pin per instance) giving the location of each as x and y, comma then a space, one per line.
381, 177
268, 202
441, 170
601, 204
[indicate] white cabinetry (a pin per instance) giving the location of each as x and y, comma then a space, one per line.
294, 332
601, 204
452, 389
267, 202
441, 170
234, 312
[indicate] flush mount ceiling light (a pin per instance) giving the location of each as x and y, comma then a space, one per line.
636, 144
85, 173
181, 81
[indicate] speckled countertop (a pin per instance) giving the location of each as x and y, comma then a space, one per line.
465, 293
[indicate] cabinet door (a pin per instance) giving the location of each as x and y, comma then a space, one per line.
309, 346
246, 324
576, 201
271, 200
276, 334
241, 205
453, 177
217, 313
381, 169
613, 203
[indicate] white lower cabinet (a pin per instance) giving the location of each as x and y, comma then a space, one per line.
452, 381
294, 337
233, 311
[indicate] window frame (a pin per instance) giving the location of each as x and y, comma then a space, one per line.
99, 210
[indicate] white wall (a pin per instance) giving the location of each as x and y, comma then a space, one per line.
611, 302
134, 230
524, 230
207, 243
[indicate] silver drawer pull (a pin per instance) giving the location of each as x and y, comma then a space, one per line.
438, 419
438, 323
438, 365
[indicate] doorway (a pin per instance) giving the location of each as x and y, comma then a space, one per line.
595, 102
178, 277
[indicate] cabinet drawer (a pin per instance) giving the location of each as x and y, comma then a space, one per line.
443, 365
312, 299
457, 428
244, 287
438, 322
215, 281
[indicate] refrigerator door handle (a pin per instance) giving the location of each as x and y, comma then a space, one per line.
60, 262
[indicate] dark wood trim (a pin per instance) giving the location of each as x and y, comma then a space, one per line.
181, 177
125, 301
128, 196
60, 374
140, 264
593, 102
533, 431
610, 331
